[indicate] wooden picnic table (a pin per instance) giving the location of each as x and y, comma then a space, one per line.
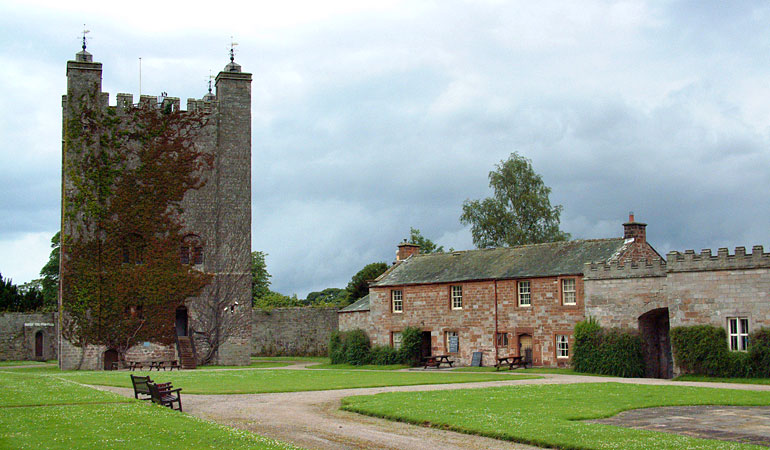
437, 360
511, 361
164, 364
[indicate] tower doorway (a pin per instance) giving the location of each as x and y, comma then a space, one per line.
110, 357
181, 321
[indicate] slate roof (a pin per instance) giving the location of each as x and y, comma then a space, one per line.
362, 304
526, 261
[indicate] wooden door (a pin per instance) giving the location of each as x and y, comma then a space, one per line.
525, 347
39, 344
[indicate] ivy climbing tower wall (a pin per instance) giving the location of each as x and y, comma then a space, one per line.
156, 222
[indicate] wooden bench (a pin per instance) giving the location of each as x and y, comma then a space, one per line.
510, 361
165, 394
437, 360
141, 387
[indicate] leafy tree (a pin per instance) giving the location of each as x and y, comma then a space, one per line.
520, 211
26, 297
329, 296
275, 300
260, 278
359, 284
49, 283
426, 245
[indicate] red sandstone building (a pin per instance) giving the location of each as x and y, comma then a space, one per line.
521, 300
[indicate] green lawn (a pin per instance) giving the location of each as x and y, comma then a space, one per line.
550, 415
554, 370
722, 380
44, 412
318, 359
253, 381
25, 363
363, 367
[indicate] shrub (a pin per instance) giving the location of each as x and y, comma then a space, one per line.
411, 342
384, 355
356, 344
607, 351
336, 351
759, 352
702, 350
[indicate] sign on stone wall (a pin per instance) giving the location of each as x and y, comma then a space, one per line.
454, 344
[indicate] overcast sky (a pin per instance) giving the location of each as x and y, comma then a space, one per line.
373, 117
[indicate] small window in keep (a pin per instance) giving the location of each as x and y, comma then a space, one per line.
568, 291
738, 331
524, 294
457, 297
397, 300
191, 250
502, 339
562, 346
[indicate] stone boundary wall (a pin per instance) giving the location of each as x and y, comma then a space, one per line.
293, 331
18, 332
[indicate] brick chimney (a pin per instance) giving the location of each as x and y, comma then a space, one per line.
405, 250
635, 230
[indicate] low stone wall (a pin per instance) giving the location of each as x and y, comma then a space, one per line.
293, 331
20, 334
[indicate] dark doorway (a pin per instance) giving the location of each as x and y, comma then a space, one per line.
425, 347
181, 321
39, 345
110, 357
654, 326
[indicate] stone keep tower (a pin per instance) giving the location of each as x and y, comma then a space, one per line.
156, 223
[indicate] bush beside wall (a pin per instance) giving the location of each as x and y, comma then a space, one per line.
703, 350
607, 351
353, 347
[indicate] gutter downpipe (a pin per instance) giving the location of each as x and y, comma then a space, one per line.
494, 338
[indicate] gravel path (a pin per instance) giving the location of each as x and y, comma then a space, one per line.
313, 419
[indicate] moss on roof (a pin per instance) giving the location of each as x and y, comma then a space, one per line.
362, 304
526, 261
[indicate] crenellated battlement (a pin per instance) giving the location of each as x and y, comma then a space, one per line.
689, 261
624, 269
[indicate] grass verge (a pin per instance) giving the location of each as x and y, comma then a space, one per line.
25, 363
553, 370
707, 379
318, 359
551, 415
363, 367
42, 412
261, 381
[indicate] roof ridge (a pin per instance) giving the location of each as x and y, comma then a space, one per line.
518, 246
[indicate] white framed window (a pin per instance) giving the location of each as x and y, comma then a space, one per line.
452, 342
568, 296
525, 297
396, 340
397, 300
457, 297
738, 333
562, 346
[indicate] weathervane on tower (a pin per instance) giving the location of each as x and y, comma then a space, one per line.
232, 49
85, 32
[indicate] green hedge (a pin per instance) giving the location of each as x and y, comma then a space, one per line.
607, 351
703, 350
353, 347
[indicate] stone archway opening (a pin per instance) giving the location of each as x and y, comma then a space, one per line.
181, 322
656, 344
